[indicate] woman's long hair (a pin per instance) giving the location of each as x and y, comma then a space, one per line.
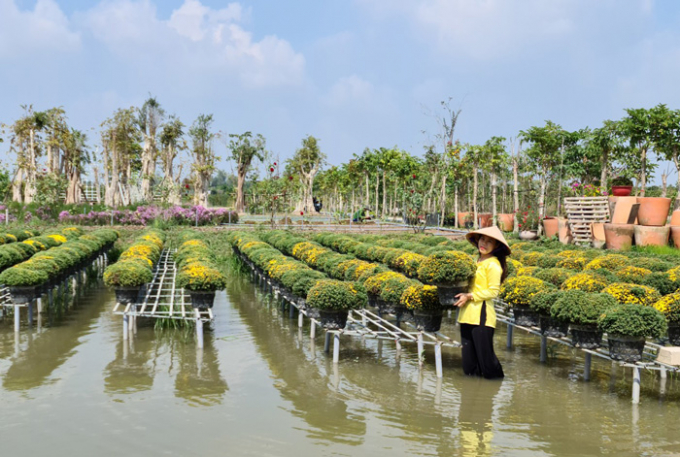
501, 253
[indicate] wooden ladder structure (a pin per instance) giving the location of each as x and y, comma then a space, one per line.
582, 212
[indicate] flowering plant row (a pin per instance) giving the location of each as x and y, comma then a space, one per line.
135, 266
14, 235
298, 278
145, 215
61, 253
196, 263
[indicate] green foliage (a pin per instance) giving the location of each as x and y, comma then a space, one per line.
542, 302
661, 282
633, 320
330, 294
127, 273
23, 277
580, 308
554, 276
447, 268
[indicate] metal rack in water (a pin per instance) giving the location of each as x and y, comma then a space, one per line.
162, 299
650, 352
368, 325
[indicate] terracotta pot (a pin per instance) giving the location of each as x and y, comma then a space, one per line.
528, 235
550, 226
461, 219
621, 191
675, 236
563, 230
597, 230
619, 236
653, 210
621, 209
675, 218
506, 222
651, 235
485, 220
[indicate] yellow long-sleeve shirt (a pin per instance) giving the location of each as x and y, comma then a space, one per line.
487, 286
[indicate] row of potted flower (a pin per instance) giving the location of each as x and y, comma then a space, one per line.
327, 299
198, 272
607, 296
14, 235
64, 253
450, 271
135, 266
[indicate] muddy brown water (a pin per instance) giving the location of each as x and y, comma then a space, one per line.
261, 387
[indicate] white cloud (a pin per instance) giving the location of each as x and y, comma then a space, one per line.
45, 28
195, 39
488, 29
350, 90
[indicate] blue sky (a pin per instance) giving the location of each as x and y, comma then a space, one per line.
354, 73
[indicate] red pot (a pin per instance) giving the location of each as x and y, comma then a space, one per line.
461, 219
619, 236
506, 221
550, 227
485, 220
651, 235
653, 210
675, 236
621, 191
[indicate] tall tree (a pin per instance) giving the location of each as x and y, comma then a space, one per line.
75, 157
120, 139
149, 118
545, 147
495, 158
27, 136
172, 142
203, 156
244, 149
667, 139
306, 163
638, 127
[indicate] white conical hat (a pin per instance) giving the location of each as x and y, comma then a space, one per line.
491, 232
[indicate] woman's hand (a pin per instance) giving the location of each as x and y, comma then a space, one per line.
462, 299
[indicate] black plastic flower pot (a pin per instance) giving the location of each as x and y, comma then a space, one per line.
525, 316
552, 327
586, 336
127, 295
202, 299
333, 319
385, 307
626, 348
23, 295
372, 300
674, 334
428, 320
447, 293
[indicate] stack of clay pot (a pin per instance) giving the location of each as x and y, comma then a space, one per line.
505, 220
649, 229
557, 226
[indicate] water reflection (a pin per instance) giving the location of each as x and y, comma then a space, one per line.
301, 381
199, 379
132, 370
474, 416
47, 351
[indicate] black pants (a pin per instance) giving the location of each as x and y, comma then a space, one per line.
479, 358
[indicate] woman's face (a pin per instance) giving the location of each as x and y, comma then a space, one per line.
486, 244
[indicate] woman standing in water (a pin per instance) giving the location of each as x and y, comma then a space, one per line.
477, 317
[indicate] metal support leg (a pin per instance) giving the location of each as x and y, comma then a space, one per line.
17, 315
291, 311
300, 319
438, 359
636, 385
662, 381
336, 347
30, 314
508, 344
421, 349
544, 348
50, 298
327, 343
199, 331
126, 326
397, 342
312, 329
586, 368
40, 314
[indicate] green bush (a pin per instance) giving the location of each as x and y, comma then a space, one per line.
329, 294
23, 277
542, 302
447, 268
127, 273
633, 320
661, 282
554, 276
581, 308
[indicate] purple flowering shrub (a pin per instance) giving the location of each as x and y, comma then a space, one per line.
145, 215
